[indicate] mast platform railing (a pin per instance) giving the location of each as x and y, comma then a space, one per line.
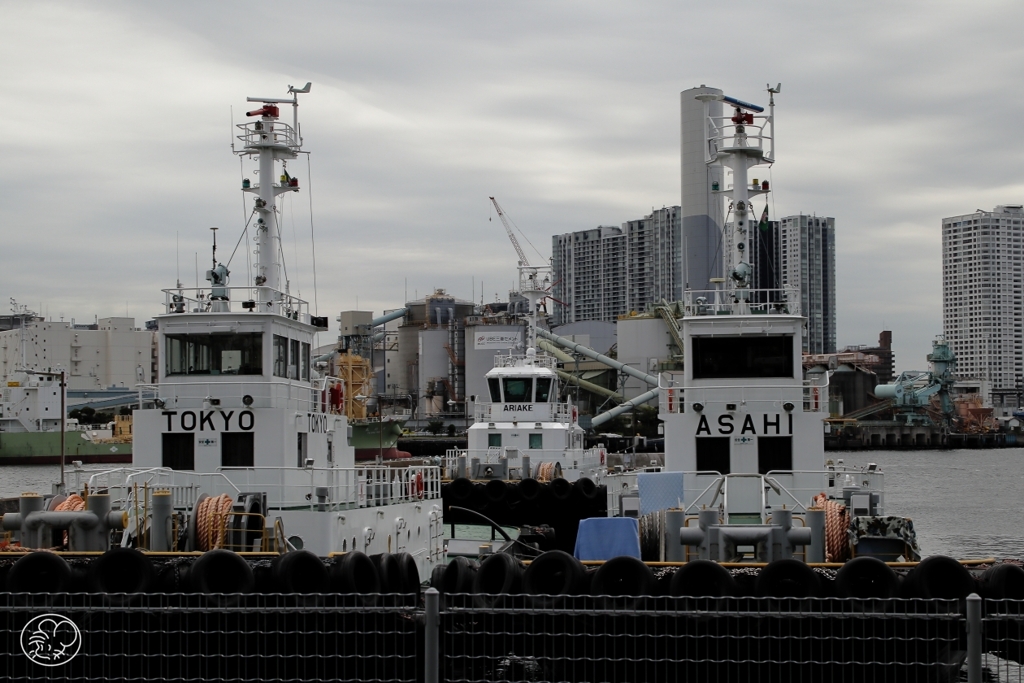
504, 360
236, 300
261, 133
708, 302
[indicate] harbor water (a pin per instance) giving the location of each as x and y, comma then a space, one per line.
964, 503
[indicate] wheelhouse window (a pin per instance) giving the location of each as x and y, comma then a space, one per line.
543, 389
293, 364
280, 356
742, 357
495, 387
494, 440
214, 354
291, 358
518, 389
304, 362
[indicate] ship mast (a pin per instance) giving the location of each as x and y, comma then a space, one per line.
740, 145
535, 285
270, 140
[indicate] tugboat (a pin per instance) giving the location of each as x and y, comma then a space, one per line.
524, 431
247, 444
745, 476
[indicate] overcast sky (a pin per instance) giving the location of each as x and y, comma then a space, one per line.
116, 159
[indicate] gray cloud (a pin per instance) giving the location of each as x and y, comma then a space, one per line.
116, 158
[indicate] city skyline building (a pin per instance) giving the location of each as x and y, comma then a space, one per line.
807, 253
608, 271
981, 299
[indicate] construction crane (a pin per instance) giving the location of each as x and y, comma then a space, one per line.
523, 261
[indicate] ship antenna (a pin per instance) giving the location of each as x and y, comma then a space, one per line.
214, 247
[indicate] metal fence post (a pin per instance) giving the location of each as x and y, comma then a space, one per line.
973, 638
432, 640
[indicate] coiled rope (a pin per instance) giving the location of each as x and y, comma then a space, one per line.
209, 529
73, 503
837, 523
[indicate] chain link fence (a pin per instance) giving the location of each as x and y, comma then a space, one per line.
206, 638
493, 638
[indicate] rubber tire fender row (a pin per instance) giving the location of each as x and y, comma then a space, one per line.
355, 572
459, 576
461, 490
530, 489
788, 578
499, 575
585, 488
702, 579
555, 572
622, 576
300, 571
221, 571
121, 570
39, 572
940, 577
866, 577
1002, 582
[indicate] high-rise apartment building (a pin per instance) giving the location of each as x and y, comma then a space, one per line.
604, 272
807, 252
981, 298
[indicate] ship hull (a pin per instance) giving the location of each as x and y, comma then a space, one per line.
43, 448
369, 440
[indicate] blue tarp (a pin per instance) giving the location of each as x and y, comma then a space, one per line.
603, 538
659, 491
